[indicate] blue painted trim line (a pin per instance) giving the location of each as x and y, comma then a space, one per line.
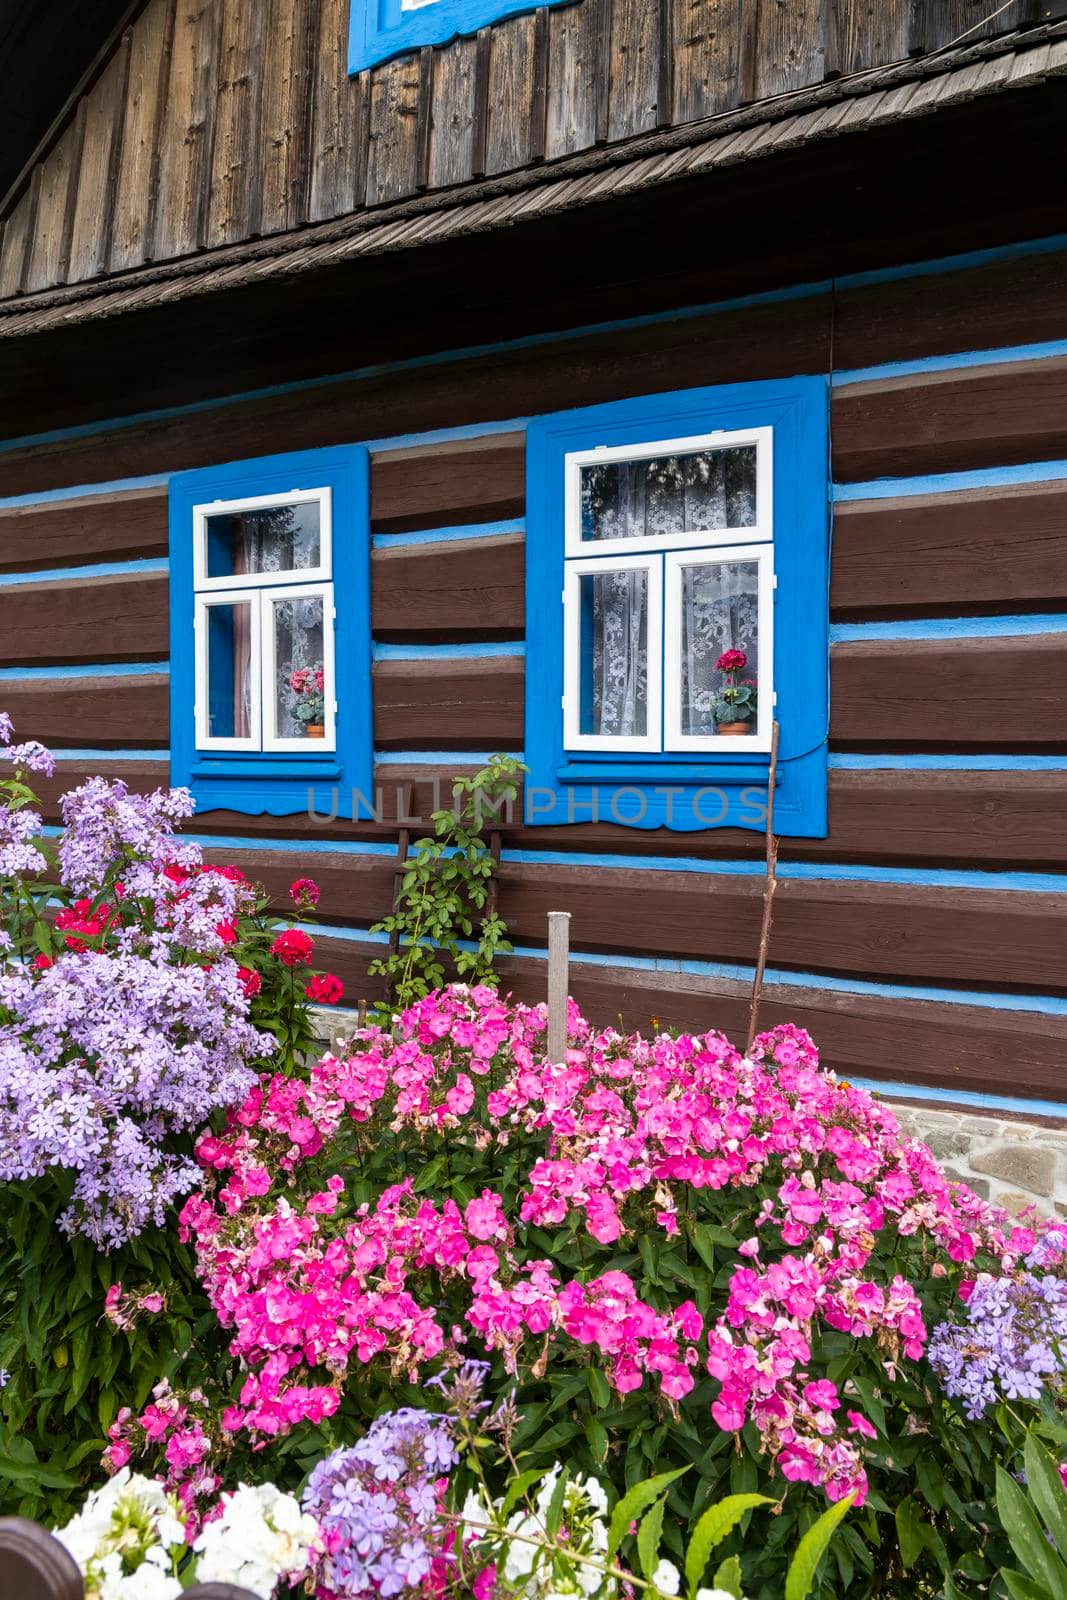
162, 756
94, 569
1049, 245
949, 482
960, 1097
813, 871
948, 763
79, 491
456, 534
226, 841
440, 758
962, 359
446, 652
97, 669
949, 628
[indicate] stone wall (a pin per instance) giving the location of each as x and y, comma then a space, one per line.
1011, 1162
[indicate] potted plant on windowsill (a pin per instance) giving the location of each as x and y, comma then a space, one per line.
308, 703
735, 708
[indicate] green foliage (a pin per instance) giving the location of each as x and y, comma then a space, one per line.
70, 1368
1036, 1525
445, 889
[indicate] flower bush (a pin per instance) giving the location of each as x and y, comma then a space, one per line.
130, 1540
139, 994
673, 1256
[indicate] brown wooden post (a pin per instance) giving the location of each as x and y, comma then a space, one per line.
34, 1566
558, 956
217, 1591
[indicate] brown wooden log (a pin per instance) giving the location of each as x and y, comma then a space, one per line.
34, 1566
96, 528
952, 420
469, 589
124, 619
943, 693
984, 549
475, 705
91, 711
468, 481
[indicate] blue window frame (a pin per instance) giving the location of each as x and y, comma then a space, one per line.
270, 634
380, 29
661, 533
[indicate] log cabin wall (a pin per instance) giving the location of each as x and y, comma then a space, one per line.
213, 122
925, 939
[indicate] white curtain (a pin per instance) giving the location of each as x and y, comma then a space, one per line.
704, 490
720, 611
620, 653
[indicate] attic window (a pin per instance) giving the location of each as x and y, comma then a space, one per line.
381, 29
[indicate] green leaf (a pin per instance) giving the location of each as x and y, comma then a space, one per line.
1047, 1491
909, 1531
728, 1577
1021, 1588
1027, 1537
634, 1502
31, 1472
648, 1538
430, 1174
812, 1548
599, 1387
712, 1528
517, 1488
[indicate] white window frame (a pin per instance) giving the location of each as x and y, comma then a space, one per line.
724, 743
720, 439
205, 740
262, 502
291, 591
574, 739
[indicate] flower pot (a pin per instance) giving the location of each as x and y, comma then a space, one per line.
733, 727
316, 730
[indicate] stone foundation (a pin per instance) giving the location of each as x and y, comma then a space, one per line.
1011, 1162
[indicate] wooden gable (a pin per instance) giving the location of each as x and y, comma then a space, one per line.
214, 122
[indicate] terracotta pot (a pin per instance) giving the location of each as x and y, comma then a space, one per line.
316, 730
733, 727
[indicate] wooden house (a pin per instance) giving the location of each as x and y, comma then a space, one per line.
510, 365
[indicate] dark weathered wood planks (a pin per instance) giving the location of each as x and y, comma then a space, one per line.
949, 693
285, 123
476, 705
99, 527
463, 590
187, 134
952, 420
466, 481
994, 549
97, 711
122, 619
150, 41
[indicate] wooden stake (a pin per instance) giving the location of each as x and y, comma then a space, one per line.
768, 894
559, 924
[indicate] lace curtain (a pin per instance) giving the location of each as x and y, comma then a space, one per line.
720, 611
297, 643
620, 653
276, 539
705, 490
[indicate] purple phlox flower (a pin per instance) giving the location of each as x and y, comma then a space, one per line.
32, 757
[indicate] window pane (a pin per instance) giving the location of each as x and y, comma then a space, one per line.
720, 614
229, 671
614, 653
298, 657
263, 539
698, 492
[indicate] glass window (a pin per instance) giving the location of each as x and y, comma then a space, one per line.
264, 539
229, 668
264, 658
693, 492
687, 622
